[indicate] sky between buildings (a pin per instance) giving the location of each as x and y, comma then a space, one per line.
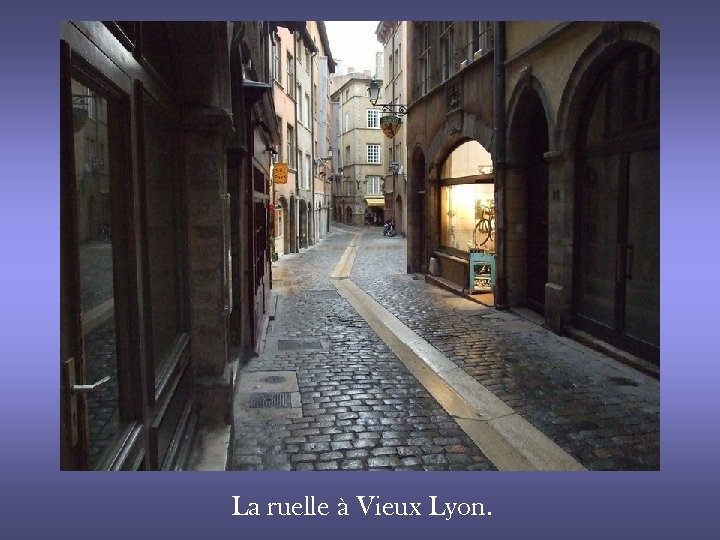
354, 44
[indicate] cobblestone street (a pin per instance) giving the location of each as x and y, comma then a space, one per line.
361, 408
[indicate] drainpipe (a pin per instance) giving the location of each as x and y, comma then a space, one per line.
500, 163
394, 157
293, 92
311, 115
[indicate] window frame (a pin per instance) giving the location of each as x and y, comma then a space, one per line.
375, 147
376, 120
373, 185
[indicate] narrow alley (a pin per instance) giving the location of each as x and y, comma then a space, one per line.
327, 393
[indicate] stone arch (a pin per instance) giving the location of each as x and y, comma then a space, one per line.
449, 138
526, 188
615, 38
416, 208
615, 155
517, 115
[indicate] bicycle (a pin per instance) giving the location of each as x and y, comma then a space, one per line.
486, 226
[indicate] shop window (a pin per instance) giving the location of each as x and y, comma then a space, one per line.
162, 221
467, 199
97, 271
468, 216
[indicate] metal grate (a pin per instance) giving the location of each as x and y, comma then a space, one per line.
264, 400
295, 344
622, 381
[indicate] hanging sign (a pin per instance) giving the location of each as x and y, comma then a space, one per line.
390, 125
280, 173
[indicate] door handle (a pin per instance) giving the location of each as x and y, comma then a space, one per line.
72, 398
84, 388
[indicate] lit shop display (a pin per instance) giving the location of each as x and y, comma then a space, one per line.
467, 217
467, 212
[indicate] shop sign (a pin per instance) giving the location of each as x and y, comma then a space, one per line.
390, 125
280, 173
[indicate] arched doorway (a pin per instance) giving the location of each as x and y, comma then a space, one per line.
416, 259
282, 227
535, 171
466, 220
292, 225
528, 185
616, 274
348, 216
320, 221
374, 215
310, 240
302, 224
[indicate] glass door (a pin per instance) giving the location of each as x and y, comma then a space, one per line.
94, 338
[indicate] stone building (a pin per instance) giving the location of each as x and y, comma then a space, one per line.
323, 67
301, 66
569, 114
283, 67
166, 132
393, 36
357, 187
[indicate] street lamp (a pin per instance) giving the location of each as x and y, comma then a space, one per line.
373, 91
323, 160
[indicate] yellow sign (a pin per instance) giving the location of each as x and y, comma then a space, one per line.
280, 173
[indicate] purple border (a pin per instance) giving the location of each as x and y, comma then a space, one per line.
37, 500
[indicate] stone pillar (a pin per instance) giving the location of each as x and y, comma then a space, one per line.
561, 193
206, 132
516, 236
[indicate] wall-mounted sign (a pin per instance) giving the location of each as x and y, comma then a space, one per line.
390, 125
280, 173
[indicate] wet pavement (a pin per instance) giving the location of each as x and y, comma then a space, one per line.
361, 409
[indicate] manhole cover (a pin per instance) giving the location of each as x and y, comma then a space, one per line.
273, 379
622, 381
264, 400
295, 344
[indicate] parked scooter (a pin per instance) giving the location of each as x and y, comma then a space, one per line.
389, 228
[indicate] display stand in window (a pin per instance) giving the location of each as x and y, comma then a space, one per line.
482, 271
